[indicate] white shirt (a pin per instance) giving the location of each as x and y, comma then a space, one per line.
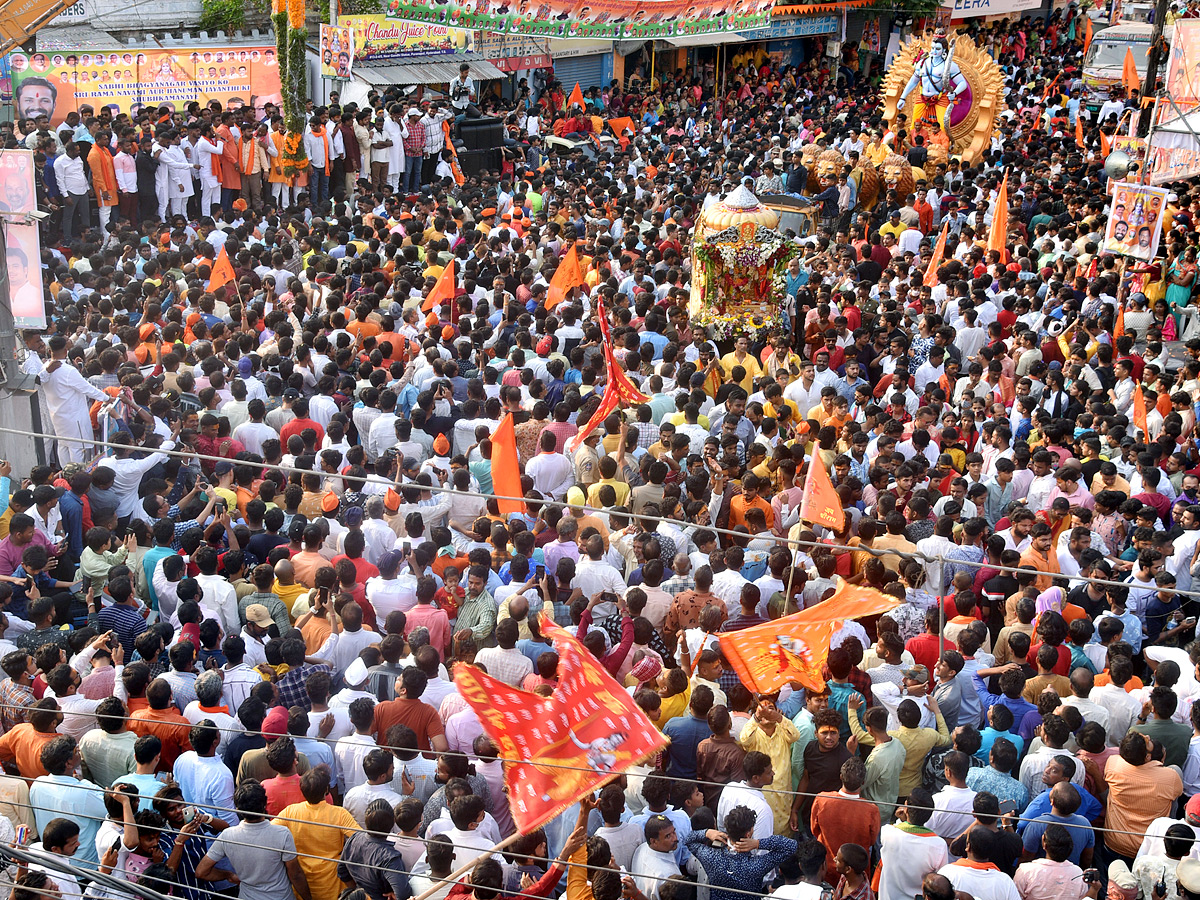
952, 814
650, 867
738, 793
350, 752
982, 884
357, 800
907, 859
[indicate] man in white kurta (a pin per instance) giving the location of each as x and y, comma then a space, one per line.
69, 397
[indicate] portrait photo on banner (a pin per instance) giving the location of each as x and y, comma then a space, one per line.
337, 51
1135, 226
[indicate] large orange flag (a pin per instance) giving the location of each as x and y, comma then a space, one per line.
1119, 327
506, 467
1079, 130
222, 271
558, 748
443, 291
619, 124
794, 648
1129, 72
820, 503
939, 250
1104, 144
1139, 412
569, 274
1087, 34
575, 98
998, 237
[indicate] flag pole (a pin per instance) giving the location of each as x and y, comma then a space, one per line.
457, 874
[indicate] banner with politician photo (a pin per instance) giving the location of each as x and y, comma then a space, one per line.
1135, 226
337, 51
129, 81
596, 19
23, 252
17, 195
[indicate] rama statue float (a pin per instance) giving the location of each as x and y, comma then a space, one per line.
959, 99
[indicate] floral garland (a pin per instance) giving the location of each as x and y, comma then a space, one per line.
291, 38
739, 249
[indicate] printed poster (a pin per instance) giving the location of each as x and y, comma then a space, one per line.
1135, 225
1183, 70
608, 19
130, 81
17, 195
380, 38
337, 51
23, 251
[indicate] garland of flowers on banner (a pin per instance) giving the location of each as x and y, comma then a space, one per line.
738, 249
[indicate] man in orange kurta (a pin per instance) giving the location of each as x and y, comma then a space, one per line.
231, 167
104, 178
1041, 556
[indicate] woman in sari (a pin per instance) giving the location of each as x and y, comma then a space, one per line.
1181, 278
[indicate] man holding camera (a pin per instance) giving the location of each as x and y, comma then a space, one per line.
462, 93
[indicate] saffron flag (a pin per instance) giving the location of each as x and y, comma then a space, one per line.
619, 389
939, 250
998, 237
1119, 327
1139, 411
794, 648
569, 274
1104, 145
506, 468
556, 749
1129, 72
1087, 34
222, 271
443, 291
576, 97
1049, 88
1079, 131
620, 124
820, 503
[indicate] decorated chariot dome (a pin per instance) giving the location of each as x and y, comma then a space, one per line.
738, 261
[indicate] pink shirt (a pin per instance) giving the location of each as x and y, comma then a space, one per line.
429, 616
1044, 879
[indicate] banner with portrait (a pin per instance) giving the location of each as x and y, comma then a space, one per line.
17, 195
129, 81
607, 19
1135, 226
23, 253
1183, 71
337, 51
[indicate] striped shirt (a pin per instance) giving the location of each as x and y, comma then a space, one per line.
125, 620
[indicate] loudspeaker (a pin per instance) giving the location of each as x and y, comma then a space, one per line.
475, 163
482, 134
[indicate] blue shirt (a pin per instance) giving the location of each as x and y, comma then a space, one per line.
53, 796
71, 508
682, 826
1082, 836
1089, 808
686, 732
1020, 707
740, 871
1002, 785
988, 736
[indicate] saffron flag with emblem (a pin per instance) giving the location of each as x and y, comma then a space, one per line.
506, 468
556, 749
1079, 131
820, 503
1119, 327
222, 271
766, 657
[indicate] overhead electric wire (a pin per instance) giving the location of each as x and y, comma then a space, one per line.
904, 555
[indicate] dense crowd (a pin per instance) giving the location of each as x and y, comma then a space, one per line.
233, 604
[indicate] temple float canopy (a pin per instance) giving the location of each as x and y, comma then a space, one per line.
738, 264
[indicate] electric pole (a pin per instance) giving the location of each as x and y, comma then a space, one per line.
1150, 86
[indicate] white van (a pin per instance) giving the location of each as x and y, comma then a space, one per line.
1105, 60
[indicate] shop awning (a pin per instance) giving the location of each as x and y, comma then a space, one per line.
705, 40
428, 72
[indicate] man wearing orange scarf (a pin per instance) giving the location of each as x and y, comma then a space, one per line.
320, 156
208, 155
231, 171
104, 177
281, 185
252, 161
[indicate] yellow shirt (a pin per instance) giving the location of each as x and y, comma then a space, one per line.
771, 410
895, 230
750, 364
319, 831
289, 594
622, 490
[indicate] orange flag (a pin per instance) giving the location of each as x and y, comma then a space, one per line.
1079, 130
619, 124
1129, 72
1087, 34
575, 98
1139, 411
794, 648
1049, 88
1104, 145
506, 468
1119, 327
558, 748
820, 503
222, 271
998, 237
443, 291
569, 274
939, 250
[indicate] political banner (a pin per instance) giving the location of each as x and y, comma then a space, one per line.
130, 81
558, 748
17, 195
974, 9
378, 38
23, 252
337, 51
607, 19
1169, 164
1135, 226
1183, 71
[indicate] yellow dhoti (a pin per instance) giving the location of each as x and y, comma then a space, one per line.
933, 110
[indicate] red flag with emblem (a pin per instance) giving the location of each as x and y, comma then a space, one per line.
558, 748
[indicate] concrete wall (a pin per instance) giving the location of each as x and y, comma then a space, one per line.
123, 15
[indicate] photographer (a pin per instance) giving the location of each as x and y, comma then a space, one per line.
462, 94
